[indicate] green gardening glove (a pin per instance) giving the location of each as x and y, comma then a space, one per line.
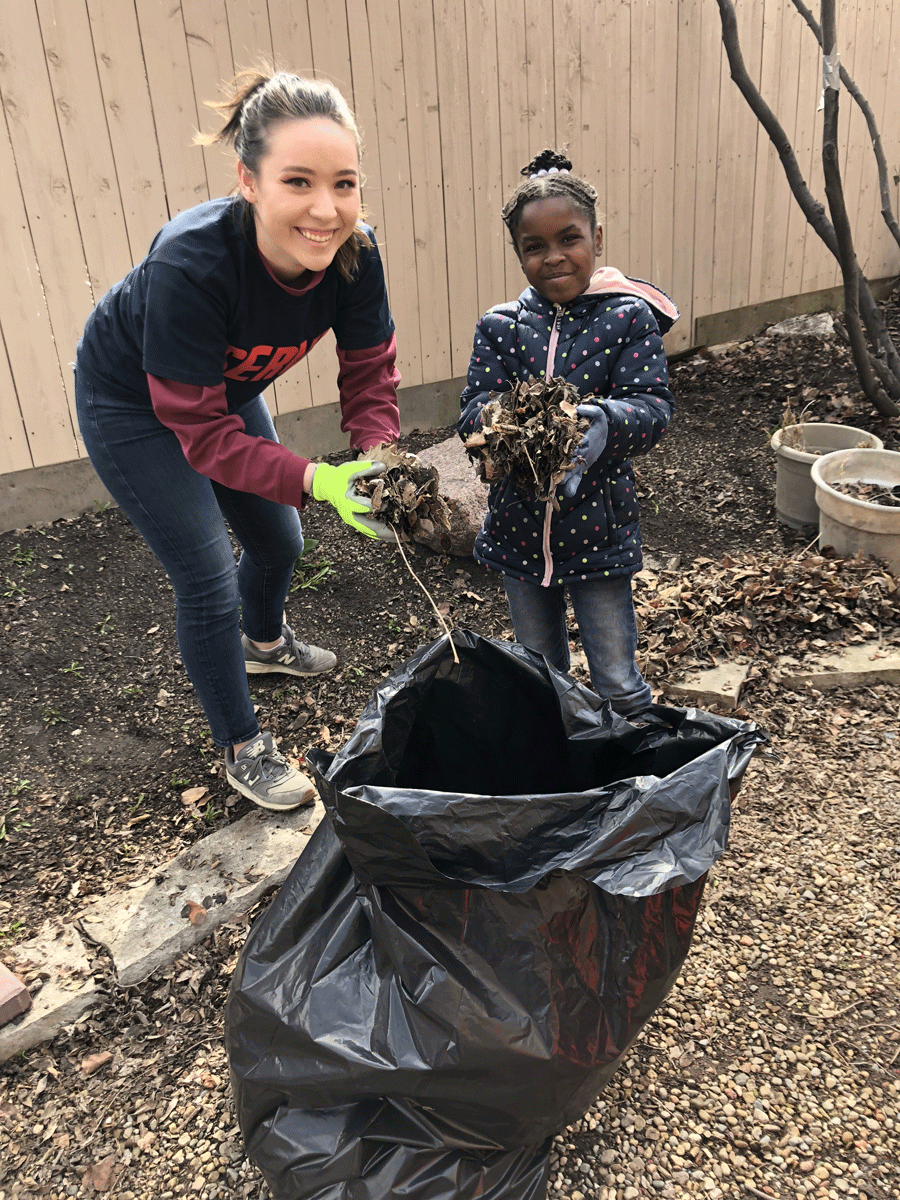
336, 485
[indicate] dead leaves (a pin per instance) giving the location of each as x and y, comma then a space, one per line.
94, 1062
762, 606
529, 433
406, 496
102, 1175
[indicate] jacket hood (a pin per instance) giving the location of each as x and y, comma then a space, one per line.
607, 281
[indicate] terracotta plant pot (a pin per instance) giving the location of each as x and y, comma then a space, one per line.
851, 525
795, 492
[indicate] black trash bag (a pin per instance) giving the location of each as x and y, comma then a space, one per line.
503, 892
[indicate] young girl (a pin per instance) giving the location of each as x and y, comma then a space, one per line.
168, 380
601, 332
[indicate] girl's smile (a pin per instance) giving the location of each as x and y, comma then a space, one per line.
305, 195
557, 248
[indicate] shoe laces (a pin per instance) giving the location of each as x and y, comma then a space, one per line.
269, 763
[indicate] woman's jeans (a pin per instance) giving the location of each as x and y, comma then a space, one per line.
604, 611
181, 516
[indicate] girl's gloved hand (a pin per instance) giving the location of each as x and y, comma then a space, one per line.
589, 450
337, 486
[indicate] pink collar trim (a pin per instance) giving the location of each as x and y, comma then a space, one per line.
316, 278
607, 281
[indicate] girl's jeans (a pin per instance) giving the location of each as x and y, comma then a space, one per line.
181, 516
604, 611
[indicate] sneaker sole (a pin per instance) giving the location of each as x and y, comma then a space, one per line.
258, 668
270, 805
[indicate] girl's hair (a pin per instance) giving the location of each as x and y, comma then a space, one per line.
554, 180
255, 101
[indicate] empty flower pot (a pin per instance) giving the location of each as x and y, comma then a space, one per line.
795, 492
851, 525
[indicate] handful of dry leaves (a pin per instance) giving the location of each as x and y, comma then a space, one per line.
530, 433
406, 495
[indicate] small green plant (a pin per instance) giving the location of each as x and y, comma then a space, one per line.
176, 782
52, 716
105, 625
20, 557
68, 570
11, 823
74, 669
102, 505
137, 804
21, 785
210, 813
311, 568
9, 930
133, 689
12, 591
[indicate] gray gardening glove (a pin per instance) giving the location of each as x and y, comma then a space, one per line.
590, 448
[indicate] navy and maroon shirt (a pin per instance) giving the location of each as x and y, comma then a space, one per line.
201, 326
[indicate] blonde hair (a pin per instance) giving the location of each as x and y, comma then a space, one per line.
259, 98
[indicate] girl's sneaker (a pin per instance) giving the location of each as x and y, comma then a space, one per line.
291, 658
262, 774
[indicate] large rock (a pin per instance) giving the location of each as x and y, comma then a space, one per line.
466, 496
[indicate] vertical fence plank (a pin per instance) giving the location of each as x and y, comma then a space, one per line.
209, 52
89, 157
424, 130
706, 212
799, 96
615, 49
685, 104
485, 91
164, 45
250, 32
397, 210
662, 117
515, 148
14, 452
569, 66
130, 120
42, 173
457, 180
28, 334
644, 100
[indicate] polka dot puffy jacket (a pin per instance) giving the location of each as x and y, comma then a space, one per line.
608, 345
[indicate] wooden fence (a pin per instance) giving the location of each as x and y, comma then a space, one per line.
101, 99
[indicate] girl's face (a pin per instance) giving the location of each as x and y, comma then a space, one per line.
557, 248
305, 195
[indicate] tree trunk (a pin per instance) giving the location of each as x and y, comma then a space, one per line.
873, 371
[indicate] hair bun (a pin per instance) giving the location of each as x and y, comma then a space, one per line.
548, 162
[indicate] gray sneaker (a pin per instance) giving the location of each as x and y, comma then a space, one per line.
262, 774
293, 658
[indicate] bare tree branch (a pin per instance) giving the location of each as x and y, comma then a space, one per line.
834, 193
887, 210
884, 364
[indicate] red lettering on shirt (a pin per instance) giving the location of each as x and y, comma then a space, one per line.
264, 362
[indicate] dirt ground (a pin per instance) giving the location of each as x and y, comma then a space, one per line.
100, 733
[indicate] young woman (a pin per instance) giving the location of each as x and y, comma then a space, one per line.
601, 332
168, 380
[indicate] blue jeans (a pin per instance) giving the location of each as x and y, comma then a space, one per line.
604, 611
181, 515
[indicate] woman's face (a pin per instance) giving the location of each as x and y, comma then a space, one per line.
305, 195
557, 248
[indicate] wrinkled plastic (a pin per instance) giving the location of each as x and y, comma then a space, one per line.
503, 892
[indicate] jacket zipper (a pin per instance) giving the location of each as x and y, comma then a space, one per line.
545, 540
